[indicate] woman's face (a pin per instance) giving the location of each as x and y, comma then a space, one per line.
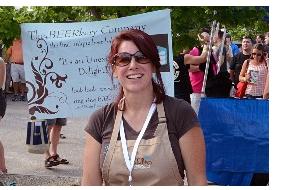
132, 68
256, 54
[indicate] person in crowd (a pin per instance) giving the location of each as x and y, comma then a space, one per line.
266, 44
15, 55
3, 168
182, 63
234, 47
223, 56
259, 39
266, 38
255, 73
8, 79
220, 85
197, 69
266, 51
239, 59
266, 88
182, 85
51, 156
164, 141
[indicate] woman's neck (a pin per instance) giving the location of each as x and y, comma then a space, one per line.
139, 101
257, 62
137, 106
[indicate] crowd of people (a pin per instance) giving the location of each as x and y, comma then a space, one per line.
143, 137
227, 67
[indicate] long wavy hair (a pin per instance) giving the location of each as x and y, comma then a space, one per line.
147, 46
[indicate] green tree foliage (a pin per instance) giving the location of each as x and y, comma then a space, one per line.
186, 21
9, 27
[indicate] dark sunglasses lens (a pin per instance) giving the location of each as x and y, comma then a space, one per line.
140, 58
123, 59
257, 54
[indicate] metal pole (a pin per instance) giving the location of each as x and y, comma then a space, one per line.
213, 30
221, 51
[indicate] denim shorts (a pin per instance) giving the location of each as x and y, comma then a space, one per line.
57, 121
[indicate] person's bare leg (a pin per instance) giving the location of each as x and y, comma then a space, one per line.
54, 139
22, 88
22, 91
47, 153
16, 87
2, 159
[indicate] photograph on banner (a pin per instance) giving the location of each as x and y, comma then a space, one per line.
66, 63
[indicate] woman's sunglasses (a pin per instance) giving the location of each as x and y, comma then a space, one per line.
257, 54
124, 58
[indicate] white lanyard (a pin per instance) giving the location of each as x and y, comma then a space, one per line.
130, 162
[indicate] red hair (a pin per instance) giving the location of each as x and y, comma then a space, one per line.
147, 46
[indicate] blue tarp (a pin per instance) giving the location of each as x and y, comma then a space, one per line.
236, 134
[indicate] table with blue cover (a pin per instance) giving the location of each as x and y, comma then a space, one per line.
236, 134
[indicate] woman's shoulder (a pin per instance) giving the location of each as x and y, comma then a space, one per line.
98, 121
171, 100
175, 104
103, 111
180, 116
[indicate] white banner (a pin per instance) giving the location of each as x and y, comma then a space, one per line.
66, 63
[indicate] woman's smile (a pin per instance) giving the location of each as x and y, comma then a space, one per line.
135, 76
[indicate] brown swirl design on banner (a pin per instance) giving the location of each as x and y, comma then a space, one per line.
42, 75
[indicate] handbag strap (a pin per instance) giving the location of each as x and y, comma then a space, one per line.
247, 64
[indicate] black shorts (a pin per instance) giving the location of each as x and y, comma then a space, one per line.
3, 104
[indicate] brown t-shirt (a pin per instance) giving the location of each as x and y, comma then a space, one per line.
179, 115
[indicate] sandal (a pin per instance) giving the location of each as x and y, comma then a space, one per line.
60, 160
51, 161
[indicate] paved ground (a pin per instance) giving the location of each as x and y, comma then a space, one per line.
20, 161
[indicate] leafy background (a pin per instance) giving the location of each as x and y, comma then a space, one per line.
186, 21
